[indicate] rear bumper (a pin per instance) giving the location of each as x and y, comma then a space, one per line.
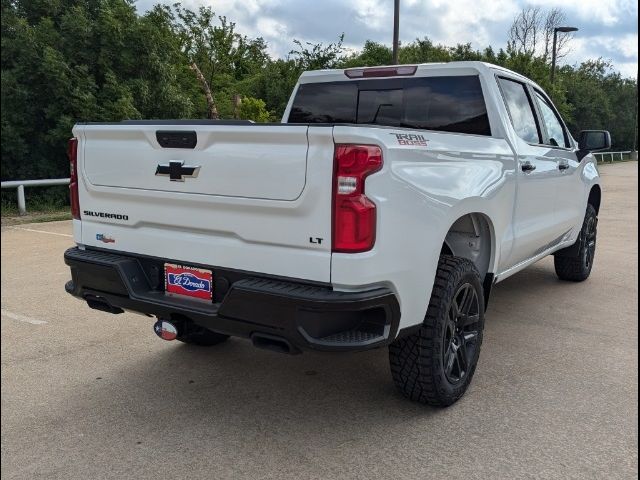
245, 305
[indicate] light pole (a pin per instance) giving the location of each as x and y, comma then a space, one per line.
396, 28
555, 43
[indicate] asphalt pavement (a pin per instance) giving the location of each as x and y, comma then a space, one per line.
89, 395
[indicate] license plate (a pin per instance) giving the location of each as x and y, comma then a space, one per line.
188, 281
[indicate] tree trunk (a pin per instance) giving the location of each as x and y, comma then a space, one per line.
212, 110
237, 100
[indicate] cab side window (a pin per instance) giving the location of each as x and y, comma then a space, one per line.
556, 134
520, 110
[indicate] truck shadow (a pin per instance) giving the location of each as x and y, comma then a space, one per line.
234, 390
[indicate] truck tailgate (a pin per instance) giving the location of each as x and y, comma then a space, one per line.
250, 197
249, 161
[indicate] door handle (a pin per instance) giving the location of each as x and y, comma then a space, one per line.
563, 166
527, 167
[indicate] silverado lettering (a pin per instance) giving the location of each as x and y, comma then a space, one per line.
116, 216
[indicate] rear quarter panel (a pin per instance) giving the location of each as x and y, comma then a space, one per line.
420, 192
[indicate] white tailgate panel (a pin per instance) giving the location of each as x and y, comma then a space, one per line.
250, 161
249, 234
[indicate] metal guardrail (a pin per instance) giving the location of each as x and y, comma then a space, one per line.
20, 184
600, 156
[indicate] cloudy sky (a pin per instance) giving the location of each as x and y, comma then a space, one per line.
608, 28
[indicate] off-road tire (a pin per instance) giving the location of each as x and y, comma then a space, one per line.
417, 360
577, 268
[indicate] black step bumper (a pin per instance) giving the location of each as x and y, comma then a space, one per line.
245, 305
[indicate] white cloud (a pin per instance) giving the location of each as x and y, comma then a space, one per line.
627, 45
469, 21
622, 48
608, 28
372, 14
607, 12
628, 69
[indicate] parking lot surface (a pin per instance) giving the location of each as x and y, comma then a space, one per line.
91, 395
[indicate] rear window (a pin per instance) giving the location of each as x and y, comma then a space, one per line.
448, 104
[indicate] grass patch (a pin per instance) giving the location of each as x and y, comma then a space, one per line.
35, 217
38, 211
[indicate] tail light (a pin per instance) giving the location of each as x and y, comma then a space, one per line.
72, 152
354, 215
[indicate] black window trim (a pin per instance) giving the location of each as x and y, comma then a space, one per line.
532, 105
565, 130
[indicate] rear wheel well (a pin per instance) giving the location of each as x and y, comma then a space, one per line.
595, 196
471, 237
445, 250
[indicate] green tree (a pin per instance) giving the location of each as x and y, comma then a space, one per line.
317, 56
372, 54
254, 109
70, 61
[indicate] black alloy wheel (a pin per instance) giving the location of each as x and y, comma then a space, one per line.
589, 250
461, 333
576, 262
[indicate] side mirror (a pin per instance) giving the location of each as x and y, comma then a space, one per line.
594, 140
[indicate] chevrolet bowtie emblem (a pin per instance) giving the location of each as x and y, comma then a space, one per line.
176, 170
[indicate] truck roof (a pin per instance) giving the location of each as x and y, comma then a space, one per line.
422, 69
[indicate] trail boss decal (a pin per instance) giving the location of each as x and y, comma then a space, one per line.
410, 139
188, 281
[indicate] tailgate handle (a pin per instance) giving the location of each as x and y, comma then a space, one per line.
176, 138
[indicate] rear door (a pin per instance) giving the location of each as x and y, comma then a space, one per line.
535, 226
569, 204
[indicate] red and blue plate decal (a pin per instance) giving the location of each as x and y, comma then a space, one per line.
188, 281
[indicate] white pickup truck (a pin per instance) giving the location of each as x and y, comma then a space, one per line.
380, 212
